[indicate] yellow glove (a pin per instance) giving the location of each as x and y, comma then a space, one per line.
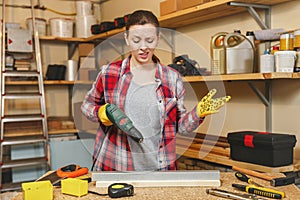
103, 117
208, 105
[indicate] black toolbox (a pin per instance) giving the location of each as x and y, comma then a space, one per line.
263, 148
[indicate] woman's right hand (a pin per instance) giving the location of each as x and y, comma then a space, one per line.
103, 117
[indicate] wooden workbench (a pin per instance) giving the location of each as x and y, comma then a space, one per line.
187, 193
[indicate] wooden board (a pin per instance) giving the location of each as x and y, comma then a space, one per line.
154, 193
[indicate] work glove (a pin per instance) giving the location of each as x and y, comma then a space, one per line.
208, 105
103, 117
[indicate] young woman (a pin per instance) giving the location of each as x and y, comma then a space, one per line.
151, 95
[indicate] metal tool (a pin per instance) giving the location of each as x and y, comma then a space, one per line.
118, 118
261, 191
245, 178
273, 181
232, 195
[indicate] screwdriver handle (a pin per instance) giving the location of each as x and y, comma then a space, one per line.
243, 177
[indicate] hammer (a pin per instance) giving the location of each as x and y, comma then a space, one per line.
273, 181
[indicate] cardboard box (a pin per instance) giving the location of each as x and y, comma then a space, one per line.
19, 40
183, 4
168, 6
269, 149
88, 74
85, 49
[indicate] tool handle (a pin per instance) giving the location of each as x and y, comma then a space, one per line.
242, 177
253, 173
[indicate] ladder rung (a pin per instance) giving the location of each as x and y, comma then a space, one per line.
23, 140
21, 74
11, 187
21, 95
22, 118
24, 162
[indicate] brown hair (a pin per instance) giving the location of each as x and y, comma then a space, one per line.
141, 17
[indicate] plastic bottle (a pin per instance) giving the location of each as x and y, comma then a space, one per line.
250, 36
267, 62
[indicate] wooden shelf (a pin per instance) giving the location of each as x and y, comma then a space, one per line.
191, 79
100, 36
203, 12
208, 11
47, 82
241, 77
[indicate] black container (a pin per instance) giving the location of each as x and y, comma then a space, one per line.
268, 149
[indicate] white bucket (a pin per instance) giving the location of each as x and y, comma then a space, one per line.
61, 27
40, 26
83, 8
83, 25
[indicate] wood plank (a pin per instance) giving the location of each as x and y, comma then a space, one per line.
206, 148
224, 160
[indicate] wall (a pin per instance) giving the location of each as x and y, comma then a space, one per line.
245, 111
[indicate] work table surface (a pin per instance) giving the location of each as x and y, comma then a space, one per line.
292, 192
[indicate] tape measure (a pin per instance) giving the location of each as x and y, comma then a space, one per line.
117, 190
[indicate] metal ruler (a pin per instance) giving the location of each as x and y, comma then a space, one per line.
180, 178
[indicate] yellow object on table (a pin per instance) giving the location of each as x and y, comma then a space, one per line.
37, 190
74, 186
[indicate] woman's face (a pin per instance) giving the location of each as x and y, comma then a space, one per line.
142, 41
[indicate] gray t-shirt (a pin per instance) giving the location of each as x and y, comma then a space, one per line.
142, 108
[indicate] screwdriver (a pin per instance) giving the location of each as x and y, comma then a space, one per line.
266, 192
245, 178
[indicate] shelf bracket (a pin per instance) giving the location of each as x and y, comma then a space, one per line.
266, 24
266, 100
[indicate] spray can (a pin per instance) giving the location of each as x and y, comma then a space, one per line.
267, 62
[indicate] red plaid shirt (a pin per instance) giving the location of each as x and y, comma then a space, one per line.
111, 150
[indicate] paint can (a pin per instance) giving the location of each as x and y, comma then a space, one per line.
83, 25
83, 8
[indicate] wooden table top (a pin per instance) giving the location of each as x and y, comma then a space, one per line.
292, 192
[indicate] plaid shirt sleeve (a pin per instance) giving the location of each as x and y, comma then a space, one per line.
94, 99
